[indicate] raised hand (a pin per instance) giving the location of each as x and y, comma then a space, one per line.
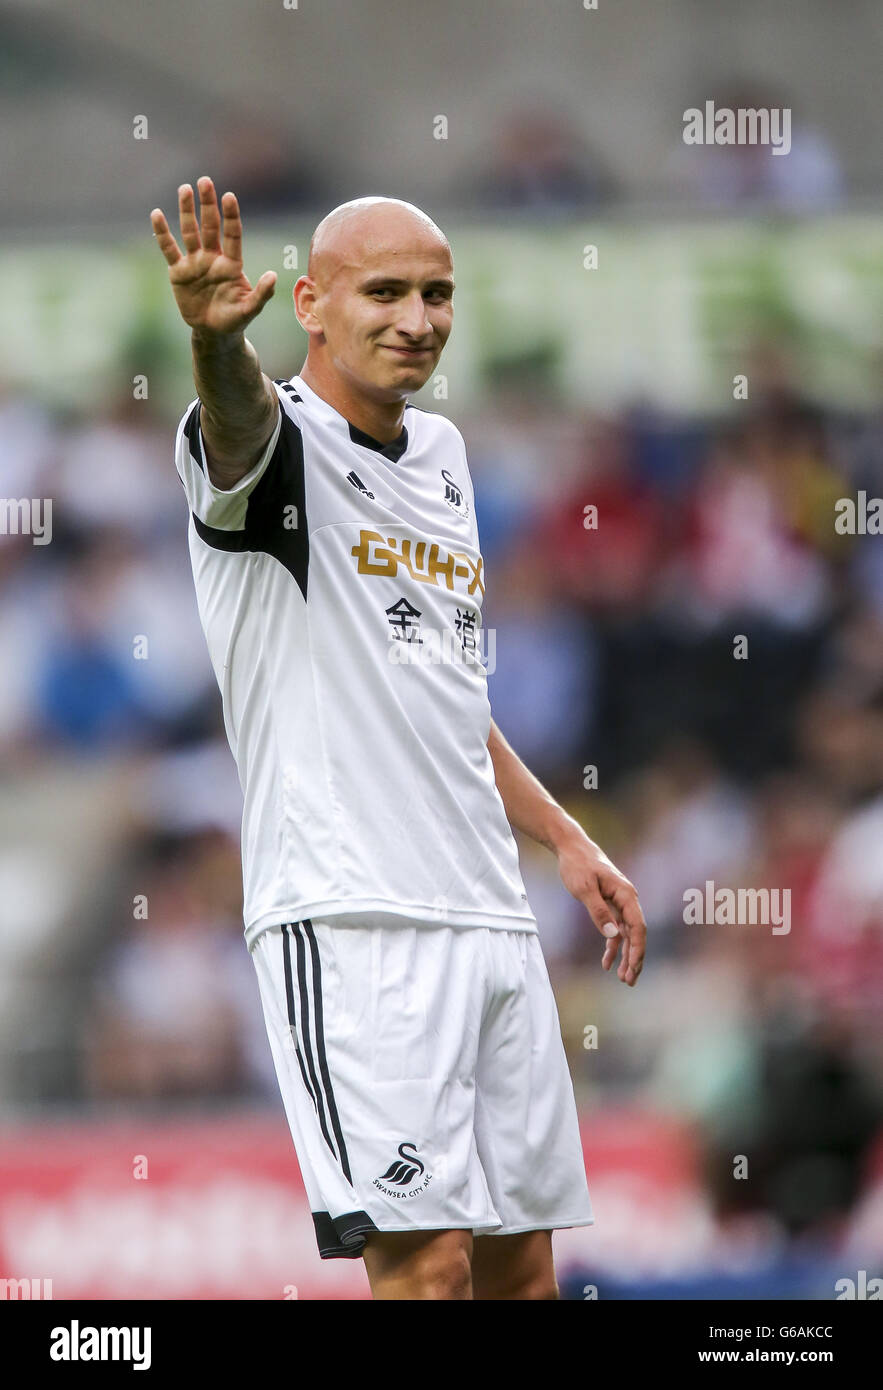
207, 278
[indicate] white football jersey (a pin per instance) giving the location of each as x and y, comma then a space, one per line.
340, 585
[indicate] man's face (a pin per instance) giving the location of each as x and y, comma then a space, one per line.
385, 305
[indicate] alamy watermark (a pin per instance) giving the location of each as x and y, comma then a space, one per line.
859, 516
76, 1343
747, 125
411, 644
16, 1290
27, 516
744, 907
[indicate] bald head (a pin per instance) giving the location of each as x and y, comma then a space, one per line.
377, 303
366, 227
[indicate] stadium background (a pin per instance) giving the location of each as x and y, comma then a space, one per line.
143, 1148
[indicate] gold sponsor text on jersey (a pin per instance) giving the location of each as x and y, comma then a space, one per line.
424, 560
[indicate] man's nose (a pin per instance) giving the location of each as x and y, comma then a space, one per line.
413, 318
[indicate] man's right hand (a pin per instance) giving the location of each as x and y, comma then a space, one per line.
207, 279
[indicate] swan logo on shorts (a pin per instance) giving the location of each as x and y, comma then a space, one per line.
402, 1172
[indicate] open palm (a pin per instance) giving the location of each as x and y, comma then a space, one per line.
210, 288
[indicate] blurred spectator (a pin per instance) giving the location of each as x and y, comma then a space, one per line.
114, 470
741, 555
844, 940
174, 1015
266, 170
842, 741
607, 557
27, 443
541, 165
689, 824
817, 1119
806, 178
542, 656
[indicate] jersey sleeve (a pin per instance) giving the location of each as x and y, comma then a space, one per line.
222, 508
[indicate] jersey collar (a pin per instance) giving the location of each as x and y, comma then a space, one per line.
392, 451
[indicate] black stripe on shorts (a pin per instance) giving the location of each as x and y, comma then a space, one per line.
309, 1039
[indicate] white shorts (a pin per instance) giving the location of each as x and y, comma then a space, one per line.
424, 1079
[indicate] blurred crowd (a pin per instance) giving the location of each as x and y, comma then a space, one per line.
618, 676
537, 160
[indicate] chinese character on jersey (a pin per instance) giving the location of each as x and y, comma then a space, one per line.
403, 617
465, 625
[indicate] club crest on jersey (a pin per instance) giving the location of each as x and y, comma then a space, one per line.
401, 1173
453, 495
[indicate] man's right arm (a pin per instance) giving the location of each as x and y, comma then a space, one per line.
239, 408
239, 405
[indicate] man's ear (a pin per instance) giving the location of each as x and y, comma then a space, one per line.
305, 296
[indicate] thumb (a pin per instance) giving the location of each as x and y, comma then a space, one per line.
600, 912
263, 290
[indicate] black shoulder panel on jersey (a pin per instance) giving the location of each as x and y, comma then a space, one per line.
280, 489
192, 433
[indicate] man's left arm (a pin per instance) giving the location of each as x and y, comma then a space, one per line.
586, 872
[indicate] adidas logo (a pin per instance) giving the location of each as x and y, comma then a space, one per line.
356, 481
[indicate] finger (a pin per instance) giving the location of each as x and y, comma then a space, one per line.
232, 227
187, 218
628, 908
262, 291
210, 217
605, 920
600, 911
164, 239
635, 929
611, 950
632, 976
635, 956
632, 958
623, 971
